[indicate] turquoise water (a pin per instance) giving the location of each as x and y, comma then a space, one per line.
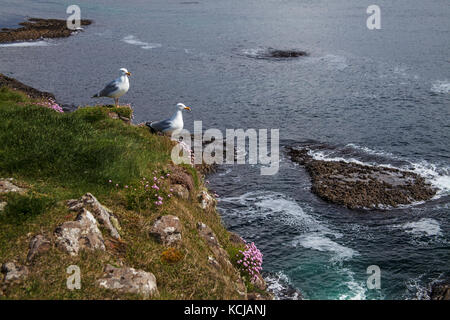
379, 97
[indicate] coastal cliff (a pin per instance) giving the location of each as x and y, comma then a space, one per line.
87, 194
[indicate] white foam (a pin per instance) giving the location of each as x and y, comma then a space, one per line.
130, 39
424, 227
322, 243
277, 284
40, 43
441, 87
315, 234
357, 291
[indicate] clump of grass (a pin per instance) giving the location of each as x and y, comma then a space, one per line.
171, 255
21, 208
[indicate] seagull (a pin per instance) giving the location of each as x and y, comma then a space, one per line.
168, 126
116, 88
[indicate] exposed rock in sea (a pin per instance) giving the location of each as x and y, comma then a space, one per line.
129, 280
36, 28
278, 285
38, 245
362, 186
167, 230
83, 233
100, 212
276, 53
13, 271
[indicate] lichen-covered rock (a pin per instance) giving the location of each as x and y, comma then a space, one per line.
38, 245
129, 280
180, 191
3, 205
13, 271
83, 233
208, 235
7, 185
103, 215
167, 230
207, 201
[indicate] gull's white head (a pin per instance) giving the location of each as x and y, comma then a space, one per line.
182, 107
124, 72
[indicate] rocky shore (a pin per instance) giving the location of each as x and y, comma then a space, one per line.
36, 28
361, 186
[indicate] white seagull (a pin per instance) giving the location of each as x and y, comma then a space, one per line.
168, 126
116, 88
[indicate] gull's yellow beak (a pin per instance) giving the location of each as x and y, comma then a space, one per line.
128, 73
187, 108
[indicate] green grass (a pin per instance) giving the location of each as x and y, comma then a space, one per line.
57, 157
80, 150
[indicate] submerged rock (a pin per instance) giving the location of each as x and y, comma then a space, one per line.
167, 230
362, 186
129, 280
14, 272
83, 233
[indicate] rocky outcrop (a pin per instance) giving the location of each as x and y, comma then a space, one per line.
38, 245
179, 175
362, 186
167, 230
13, 271
440, 292
7, 185
207, 202
208, 235
83, 233
103, 215
129, 280
180, 191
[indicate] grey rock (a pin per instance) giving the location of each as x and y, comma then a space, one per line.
167, 230
14, 272
129, 280
83, 233
6, 186
38, 245
207, 202
103, 215
180, 191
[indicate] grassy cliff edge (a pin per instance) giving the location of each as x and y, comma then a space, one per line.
54, 157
